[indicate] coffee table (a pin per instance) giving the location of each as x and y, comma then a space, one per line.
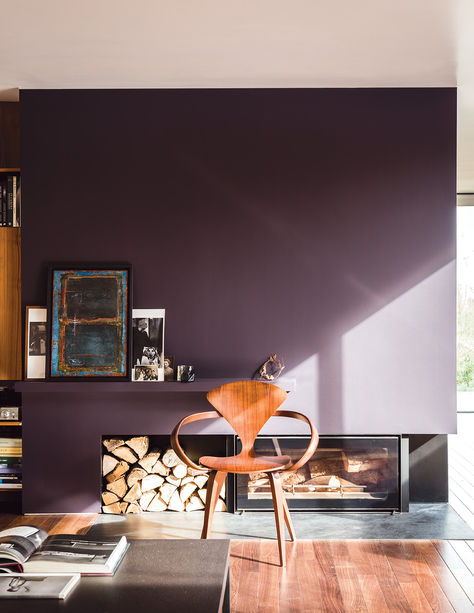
155, 575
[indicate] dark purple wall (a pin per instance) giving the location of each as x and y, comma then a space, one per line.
319, 224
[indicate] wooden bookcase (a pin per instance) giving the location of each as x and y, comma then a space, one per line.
10, 304
10, 290
10, 254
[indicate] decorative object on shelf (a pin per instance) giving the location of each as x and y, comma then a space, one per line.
35, 342
169, 368
272, 368
185, 373
9, 413
89, 321
148, 344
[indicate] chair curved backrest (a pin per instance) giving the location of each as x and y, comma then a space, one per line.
247, 406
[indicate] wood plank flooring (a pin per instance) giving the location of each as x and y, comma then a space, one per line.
331, 576
461, 468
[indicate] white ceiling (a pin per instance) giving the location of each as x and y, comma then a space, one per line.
244, 43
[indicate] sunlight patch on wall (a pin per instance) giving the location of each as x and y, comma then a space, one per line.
394, 364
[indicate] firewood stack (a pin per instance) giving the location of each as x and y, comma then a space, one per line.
136, 480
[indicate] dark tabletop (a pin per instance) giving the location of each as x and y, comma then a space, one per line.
155, 575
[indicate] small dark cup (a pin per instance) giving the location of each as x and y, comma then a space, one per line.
185, 373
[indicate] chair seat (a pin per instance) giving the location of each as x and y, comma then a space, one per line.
242, 464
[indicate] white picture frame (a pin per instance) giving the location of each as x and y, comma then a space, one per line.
35, 342
148, 344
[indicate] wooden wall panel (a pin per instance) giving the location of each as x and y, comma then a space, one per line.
10, 304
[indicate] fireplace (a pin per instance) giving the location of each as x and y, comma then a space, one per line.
346, 473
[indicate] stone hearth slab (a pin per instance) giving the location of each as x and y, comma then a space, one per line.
424, 521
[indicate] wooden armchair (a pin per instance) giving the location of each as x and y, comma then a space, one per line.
247, 406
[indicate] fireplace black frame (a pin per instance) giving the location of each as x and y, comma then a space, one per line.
396, 502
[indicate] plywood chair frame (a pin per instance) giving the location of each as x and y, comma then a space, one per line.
247, 406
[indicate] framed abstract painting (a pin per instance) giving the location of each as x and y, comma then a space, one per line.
89, 321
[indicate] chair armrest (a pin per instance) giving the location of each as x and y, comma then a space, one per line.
175, 442
313, 443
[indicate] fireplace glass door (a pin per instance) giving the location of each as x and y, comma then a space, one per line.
345, 474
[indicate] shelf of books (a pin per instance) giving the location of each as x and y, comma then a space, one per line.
10, 198
10, 457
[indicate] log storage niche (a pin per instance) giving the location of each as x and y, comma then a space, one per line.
143, 473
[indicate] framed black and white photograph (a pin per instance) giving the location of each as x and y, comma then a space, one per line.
35, 342
169, 368
145, 373
148, 326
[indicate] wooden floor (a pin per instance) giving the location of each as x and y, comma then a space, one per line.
325, 576
461, 468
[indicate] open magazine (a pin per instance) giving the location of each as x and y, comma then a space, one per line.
29, 549
37, 586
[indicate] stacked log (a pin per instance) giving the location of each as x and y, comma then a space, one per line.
136, 479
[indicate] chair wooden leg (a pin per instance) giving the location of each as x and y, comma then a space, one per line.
214, 486
278, 505
288, 522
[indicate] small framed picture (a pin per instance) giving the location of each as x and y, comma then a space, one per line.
35, 342
169, 368
145, 373
148, 327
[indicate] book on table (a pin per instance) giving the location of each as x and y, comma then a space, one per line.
29, 549
37, 586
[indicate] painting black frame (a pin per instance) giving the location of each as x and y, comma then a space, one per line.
89, 266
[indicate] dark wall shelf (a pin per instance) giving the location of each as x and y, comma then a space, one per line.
199, 386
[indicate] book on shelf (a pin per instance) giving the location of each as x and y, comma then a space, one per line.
29, 549
10, 448
10, 442
10, 200
37, 586
3, 195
